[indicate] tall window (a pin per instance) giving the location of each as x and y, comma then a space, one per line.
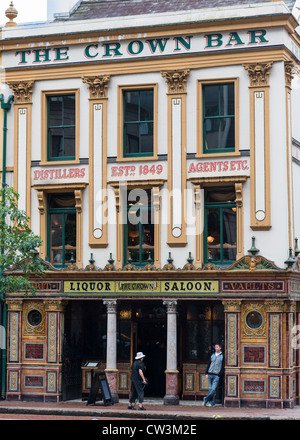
61, 229
204, 327
218, 118
139, 230
61, 127
220, 226
138, 122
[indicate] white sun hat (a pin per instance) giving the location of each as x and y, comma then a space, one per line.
140, 355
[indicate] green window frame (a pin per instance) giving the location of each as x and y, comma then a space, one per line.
61, 127
139, 236
138, 122
220, 228
61, 218
219, 117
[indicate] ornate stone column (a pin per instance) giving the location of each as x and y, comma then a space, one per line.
171, 397
111, 347
232, 309
22, 141
259, 74
14, 348
177, 81
98, 88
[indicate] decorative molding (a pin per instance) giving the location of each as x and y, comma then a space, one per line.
171, 305
289, 70
247, 331
176, 80
259, 73
98, 85
22, 91
111, 305
232, 305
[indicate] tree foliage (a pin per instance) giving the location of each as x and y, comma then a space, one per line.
19, 246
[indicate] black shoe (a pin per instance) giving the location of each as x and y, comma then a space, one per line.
142, 408
131, 407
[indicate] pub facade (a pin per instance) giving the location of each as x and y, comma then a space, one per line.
157, 154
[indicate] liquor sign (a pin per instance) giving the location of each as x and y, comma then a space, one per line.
143, 287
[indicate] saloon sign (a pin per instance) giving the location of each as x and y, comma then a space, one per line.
105, 49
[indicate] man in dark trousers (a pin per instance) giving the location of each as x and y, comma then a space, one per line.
138, 381
214, 370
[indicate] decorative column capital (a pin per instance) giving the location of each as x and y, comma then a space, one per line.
171, 305
22, 91
111, 305
289, 70
54, 305
14, 304
274, 305
259, 73
98, 85
232, 305
176, 80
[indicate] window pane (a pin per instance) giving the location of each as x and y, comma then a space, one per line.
56, 237
148, 240
131, 106
56, 142
229, 234
133, 240
146, 105
146, 133
213, 234
70, 237
211, 100
227, 99
131, 138
55, 111
212, 137
69, 142
227, 135
69, 110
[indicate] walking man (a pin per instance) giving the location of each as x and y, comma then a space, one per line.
214, 370
138, 382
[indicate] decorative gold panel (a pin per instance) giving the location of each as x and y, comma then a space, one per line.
260, 331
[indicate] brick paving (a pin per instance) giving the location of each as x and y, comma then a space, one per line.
155, 411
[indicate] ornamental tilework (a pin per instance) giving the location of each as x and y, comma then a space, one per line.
13, 381
232, 386
274, 387
51, 382
52, 326
14, 337
274, 340
232, 339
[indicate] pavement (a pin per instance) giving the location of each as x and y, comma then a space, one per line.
155, 410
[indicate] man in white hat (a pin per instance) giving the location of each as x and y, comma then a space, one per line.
138, 381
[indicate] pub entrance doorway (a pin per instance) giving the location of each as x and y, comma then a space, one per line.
150, 337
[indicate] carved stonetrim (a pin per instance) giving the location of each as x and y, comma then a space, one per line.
111, 305
176, 80
14, 304
289, 72
232, 305
22, 91
259, 73
171, 305
98, 85
274, 305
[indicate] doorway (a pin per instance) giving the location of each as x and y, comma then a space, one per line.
151, 340
149, 335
